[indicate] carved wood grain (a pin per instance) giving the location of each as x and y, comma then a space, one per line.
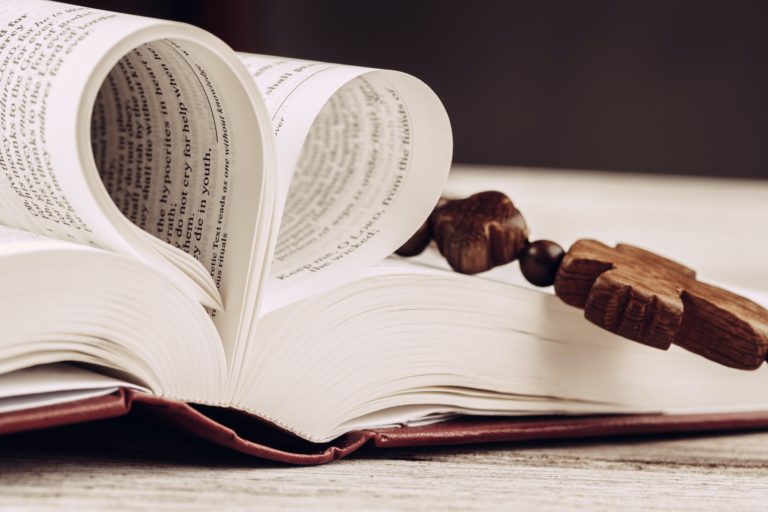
658, 302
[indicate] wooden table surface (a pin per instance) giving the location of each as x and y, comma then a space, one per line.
133, 465
717, 226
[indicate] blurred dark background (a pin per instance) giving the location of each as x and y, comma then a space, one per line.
658, 86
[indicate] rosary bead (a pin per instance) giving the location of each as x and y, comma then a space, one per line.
421, 238
418, 242
539, 262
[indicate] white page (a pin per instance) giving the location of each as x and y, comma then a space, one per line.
68, 302
294, 92
55, 58
363, 157
29, 387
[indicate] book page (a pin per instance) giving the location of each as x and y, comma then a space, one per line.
49, 384
163, 141
68, 302
35, 39
363, 154
409, 340
160, 139
139, 136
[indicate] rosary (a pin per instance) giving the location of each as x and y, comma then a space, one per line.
626, 290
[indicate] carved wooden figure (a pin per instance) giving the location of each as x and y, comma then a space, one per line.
656, 301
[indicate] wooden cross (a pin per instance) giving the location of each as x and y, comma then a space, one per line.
656, 301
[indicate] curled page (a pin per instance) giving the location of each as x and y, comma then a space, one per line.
139, 136
363, 156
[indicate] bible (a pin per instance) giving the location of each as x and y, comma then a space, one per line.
206, 235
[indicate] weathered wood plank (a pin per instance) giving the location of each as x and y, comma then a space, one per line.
120, 466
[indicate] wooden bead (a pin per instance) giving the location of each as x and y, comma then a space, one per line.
421, 238
539, 262
653, 300
480, 232
418, 242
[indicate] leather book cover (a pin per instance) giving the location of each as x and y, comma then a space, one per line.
248, 434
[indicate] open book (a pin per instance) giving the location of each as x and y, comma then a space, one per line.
190, 225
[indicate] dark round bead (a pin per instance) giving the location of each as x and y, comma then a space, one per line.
539, 262
418, 242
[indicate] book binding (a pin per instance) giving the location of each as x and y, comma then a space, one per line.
248, 434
